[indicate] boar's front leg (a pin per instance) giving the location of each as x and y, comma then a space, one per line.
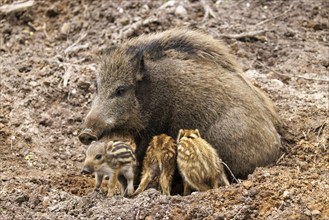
142, 145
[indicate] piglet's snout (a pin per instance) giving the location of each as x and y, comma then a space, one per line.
86, 170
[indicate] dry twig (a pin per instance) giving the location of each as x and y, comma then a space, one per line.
250, 34
70, 68
130, 29
137, 215
237, 180
16, 6
275, 17
75, 46
285, 75
320, 129
208, 10
44, 28
238, 213
280, 158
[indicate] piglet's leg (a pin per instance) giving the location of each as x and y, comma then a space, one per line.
224, 179
129, 174
215, 183
187, 188
123, 184
99, 180
112, 183
146, 179
166, 176
202, 187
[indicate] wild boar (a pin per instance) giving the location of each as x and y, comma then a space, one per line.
180, 78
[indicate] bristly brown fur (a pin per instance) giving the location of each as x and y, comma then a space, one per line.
160, 160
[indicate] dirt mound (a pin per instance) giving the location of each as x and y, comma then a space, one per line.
48, 56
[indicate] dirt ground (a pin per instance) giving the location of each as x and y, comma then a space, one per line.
48, 56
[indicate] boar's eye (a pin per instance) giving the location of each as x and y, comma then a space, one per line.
120, 91
98, 157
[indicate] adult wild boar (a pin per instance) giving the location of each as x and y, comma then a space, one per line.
160, 83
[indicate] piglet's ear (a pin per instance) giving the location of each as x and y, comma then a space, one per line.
109, 146
197, 132
180, 135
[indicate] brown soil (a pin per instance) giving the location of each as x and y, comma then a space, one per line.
47, 76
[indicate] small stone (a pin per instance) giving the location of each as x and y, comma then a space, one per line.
33, 83
146, 8
120, 10
168, 4
252, 192
307, 212
266, 174
65, 28
247, 184
45, 201
286, 194
181, 11
277, 83
316, 212
124, 21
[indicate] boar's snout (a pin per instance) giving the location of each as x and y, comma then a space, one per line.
86, 170
86, 137
95, 126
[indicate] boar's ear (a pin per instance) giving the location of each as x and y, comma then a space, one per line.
137, 61
141, 66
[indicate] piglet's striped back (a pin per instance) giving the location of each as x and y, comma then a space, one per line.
119, 154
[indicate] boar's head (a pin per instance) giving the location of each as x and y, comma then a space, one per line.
115, 108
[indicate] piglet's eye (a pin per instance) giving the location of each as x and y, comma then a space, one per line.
98, 157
